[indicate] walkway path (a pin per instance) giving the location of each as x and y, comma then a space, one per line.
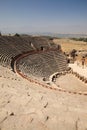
79, 69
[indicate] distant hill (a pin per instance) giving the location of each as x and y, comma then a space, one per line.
58, 35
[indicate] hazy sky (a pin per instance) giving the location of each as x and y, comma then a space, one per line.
57, 16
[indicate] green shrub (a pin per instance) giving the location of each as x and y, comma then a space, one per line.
17, 35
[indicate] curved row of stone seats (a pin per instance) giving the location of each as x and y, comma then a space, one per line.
43, 64
61, 61
7, 52
11, 46
31, 65
18, 43
38, 42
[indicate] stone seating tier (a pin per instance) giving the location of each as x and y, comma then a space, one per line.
43, 64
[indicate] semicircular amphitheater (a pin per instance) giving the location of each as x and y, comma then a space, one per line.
39, 64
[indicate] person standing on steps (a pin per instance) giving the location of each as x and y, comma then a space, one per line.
83, 61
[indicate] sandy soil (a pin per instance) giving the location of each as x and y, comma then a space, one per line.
67, 44
26, 106
71, 83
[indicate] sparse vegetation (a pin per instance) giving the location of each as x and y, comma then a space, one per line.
69, 44
79, 39
17, 35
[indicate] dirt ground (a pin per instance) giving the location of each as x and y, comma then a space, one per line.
67, 44
27, 106
71, 83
